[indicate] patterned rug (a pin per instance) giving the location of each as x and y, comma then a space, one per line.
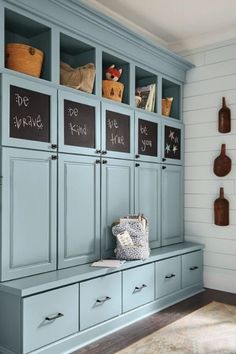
209, 330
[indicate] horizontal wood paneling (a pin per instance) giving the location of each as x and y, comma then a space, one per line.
212, 78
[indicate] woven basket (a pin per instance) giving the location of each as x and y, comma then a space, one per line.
112, 90
166, 106
23, 58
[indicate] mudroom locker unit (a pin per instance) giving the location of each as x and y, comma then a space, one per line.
72, 163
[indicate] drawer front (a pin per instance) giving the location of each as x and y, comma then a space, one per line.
192, 264
138, 286
50, 316
100, 300
168, 276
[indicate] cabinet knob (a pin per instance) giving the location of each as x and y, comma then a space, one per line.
168, 276
97, 151
54, 146
98, 161
52, 318
137, 156
104, 161
104, 299
137, 164
54, 157
163, 159
163, 167
103, 152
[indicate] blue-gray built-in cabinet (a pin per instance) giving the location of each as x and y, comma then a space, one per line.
72, 163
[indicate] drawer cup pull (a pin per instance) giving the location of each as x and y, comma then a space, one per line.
52, 318
101, 301
139, 288
169, 276
193, 268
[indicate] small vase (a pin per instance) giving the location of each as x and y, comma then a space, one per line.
224, 121
221, 209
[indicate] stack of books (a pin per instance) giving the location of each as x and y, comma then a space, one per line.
145, 97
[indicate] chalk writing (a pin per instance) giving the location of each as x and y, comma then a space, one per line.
117, 132
147, 137
78, 129
28, 122
21, 100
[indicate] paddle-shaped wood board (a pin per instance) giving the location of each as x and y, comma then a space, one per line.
222, 164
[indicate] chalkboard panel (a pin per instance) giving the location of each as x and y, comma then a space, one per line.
172, 143
117, 132
147, 137
29, 114
79, 124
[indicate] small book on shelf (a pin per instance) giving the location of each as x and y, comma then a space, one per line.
145, 97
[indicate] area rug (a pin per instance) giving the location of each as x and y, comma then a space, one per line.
209, 330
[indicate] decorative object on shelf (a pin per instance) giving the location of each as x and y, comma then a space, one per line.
224, 118
111, 88
221, 210
166, 106
145, 97
23, 58
80, 78
132, 234
112, 73
222, 164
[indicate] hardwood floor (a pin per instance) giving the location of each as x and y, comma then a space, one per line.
122, 338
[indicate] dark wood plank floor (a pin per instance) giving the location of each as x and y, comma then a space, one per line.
122, 338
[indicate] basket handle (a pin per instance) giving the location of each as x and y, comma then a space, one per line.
31, 50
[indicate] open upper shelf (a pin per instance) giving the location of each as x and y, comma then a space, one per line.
171, 92
23, 30
145, 90
107, 61
77, 54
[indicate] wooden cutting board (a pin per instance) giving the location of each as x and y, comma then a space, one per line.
222, 164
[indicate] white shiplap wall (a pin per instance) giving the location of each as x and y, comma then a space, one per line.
213, 77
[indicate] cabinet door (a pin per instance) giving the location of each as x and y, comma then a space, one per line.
172, 204
117, 131
29, 187
147, 137
78, 210
117, 198
79, 123
172, 142
148, 197
29, 114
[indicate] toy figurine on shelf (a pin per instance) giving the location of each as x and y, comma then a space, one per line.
111, 88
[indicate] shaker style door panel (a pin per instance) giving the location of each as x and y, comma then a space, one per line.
172, 143
117, 131
147, 137
172, 204
29, 187
148, 197
29, 114
79, 124
117, 198
78, 210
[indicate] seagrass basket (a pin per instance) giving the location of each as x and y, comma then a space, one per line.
166, 106
23, 58
112, 90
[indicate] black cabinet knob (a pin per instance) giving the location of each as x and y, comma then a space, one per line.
163, 159
98, 161
103, 152
163, 167
137, 164
104, 161
54, 157
137, 156
97, 151
54, 146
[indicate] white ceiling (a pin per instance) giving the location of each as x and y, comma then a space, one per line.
176, 24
